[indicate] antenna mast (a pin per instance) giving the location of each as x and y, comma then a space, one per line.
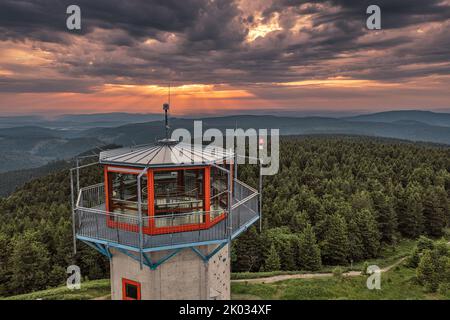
166, 107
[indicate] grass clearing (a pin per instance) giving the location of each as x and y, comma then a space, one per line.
89, 290
388, 256
397, 284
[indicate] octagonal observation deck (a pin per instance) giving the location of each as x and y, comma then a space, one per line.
165, 196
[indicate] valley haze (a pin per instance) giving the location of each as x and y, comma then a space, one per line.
33, 141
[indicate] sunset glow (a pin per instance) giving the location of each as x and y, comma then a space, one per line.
262, 55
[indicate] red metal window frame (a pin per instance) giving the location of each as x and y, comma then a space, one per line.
151, 228
110, 221
206, 199
126, 282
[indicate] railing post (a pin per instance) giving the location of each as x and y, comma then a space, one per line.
141, 231
198, 227
260, 194
96, 222
72, 203
117, 227
78, 175
235, 172
230, 215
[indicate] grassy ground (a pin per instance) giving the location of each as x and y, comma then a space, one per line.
89, 290
388, 256
397, 284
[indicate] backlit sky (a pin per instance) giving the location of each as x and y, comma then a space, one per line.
223, 56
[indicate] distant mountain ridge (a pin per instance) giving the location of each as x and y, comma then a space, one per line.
427, 117
407, 130
79, 121
32, 145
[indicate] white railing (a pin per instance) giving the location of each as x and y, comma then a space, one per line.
94, 222
92, 196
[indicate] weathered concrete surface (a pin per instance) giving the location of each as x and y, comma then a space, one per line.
184, 276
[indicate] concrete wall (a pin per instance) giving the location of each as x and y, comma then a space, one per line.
184, 276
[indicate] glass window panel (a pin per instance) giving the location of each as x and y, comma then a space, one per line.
179, 197
219, 187
123, 196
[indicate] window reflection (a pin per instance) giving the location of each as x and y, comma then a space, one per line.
219, 194
180, 194
124, 193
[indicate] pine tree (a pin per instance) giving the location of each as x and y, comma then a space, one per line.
426, 272
308, 250
434, 212
272, 262
433, 270
299, 221
334, 246
284, 242
411, 220
385, 216
355, 239
5, 251
400, 207
369, 233
29, 264
248, 251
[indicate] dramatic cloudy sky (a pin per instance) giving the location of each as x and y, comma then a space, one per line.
223, 56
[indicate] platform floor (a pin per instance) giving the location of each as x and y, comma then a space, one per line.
92, 225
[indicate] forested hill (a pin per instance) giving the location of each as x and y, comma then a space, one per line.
11, 180
333, 201
337, 200
36, 236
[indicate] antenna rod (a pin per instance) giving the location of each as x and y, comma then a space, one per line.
166, 107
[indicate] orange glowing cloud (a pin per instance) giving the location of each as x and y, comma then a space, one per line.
264, 55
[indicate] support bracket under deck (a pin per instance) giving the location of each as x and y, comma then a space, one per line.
147, 260
208, 256
103, 249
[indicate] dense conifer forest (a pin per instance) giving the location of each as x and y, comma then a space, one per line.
338, 200
334, 201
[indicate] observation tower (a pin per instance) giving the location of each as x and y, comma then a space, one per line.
165, 215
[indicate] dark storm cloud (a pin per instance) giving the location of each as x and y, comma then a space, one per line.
13, 85
200, 19
396, 13
204, 41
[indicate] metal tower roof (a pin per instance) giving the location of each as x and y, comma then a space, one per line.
166, 153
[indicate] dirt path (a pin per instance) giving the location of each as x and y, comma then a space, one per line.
311, 275
293, 276
107, 297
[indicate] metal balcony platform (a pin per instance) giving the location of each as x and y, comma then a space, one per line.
91, 223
